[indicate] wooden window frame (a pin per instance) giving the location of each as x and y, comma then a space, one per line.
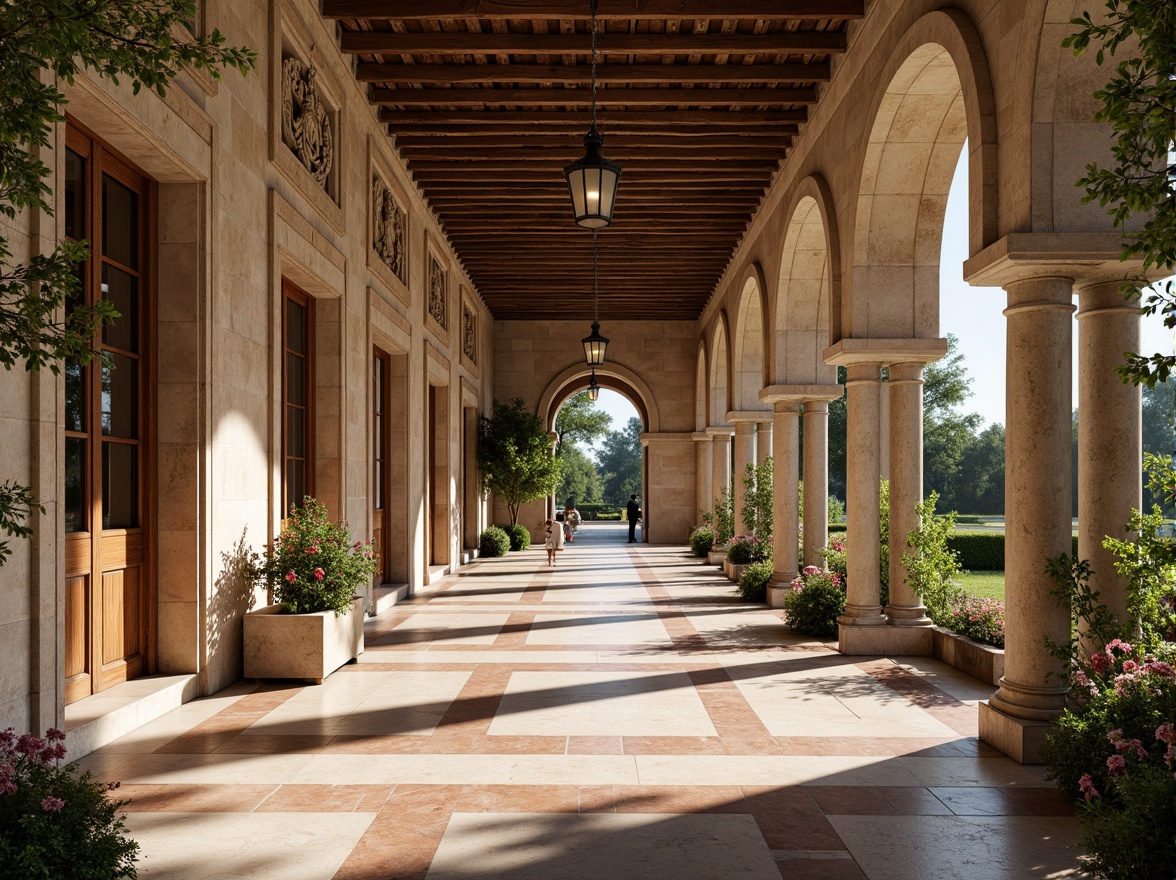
290, 291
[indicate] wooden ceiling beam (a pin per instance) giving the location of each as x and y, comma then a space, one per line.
609, 10
608, 120
731, 97
683, 43
669, 74
629, 157
535, 139
568, 132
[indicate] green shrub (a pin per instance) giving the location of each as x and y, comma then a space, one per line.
702, 540
610, 516
757, 498
494, 542
753, 583
54, 821
592, 512
815, 601
884, 542
979, 551
836, 512
932, 569
748, 548
520, 537
834, 557
980, 619
724, 517
837, 527
313, 565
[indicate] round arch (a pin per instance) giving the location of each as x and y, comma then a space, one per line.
700, 389
749, 371
612, 375
806, 308
935, 93
720, 371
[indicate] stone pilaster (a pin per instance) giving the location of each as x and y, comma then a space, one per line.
1037, 513
785, 498
763, 441
863, 393
816, 479
1109, 433
906, 487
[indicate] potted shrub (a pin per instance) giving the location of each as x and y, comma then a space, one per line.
315, 625
743, 551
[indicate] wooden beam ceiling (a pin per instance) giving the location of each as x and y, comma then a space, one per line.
488, 100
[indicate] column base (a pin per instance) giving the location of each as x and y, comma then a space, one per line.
1020, 738
887, 641
900, 616
776, 595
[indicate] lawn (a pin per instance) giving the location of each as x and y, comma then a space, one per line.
990, 584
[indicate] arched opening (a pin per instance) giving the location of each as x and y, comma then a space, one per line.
700, 391
718, 374
749, 362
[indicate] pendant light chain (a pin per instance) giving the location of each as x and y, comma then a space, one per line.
595, 279
593, 3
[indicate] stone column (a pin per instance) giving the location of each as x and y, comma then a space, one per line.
906, 487
720, 463
744, 455
1109, 434
863, 393
703, 453
1037, 514
785, 497
816, 479
763, 441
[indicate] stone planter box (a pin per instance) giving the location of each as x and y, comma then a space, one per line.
305, 646
733, 569
979, 661
716, 557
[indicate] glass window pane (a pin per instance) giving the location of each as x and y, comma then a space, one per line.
75, 484
120, 397
75, 396
120, 486
120, 223
295, 432
295, 379
295, 326
75, 195
295, 482
123, 290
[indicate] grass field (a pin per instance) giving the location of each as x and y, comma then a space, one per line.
990, 584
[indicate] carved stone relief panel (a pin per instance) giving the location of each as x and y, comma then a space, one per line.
469, 333
388, 228
306, 123
437, 304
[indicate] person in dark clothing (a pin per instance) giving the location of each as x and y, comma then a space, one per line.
633, 512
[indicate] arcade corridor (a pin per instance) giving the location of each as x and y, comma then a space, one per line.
621, 716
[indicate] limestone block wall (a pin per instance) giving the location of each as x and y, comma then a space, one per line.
651, 363
236, 214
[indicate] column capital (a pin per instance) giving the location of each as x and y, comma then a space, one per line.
720, 431
748, 416
816, 407
700, 436
1104, 298
849, 352
799, 393
906, 373
1019, 256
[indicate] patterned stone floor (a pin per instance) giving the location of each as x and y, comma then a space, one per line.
620, 716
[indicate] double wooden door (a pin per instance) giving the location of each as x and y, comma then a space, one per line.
107, 609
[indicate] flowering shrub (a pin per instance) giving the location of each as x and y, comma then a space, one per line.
815, 601
53, 821
312, 565
834, 556
978, 619
753, 583
748, 548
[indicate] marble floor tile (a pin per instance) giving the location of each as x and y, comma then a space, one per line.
598, 629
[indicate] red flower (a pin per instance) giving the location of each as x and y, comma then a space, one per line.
319, 574
291, 577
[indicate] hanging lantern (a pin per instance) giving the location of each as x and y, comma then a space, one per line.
593, 388
594, 346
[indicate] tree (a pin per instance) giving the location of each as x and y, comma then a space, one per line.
514, 456
578, 420
619, 460
947, 434
981, 487
1139, 103
1159, 427
838, 440
579, 481
113, 39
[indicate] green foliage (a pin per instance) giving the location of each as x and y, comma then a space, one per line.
113, 39
836, 510
980, 619
312, 565
1148, 566
724, 517
579, 480
1137, 840
834, 557
753, 582
590, 512
702, 539
814, 602
579, 420
757, 499
519, 536
932, 569
619, 461
514, 456
884, 545
54, 821
978, 551
493, 542
748, 548
1139, 105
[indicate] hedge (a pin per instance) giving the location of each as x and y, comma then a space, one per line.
591, 512
977, 551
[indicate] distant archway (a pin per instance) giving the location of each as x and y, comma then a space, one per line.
612, 375
749, 362
719, 367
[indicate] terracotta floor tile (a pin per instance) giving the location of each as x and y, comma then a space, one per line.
198, 743
477, 743
979, 801
818, 868
327, 799
375, 745
681, 799
913, 801
850, 800
673, 745
595, 745
790, 819
193, 798
599, 798
519, 799
273, 744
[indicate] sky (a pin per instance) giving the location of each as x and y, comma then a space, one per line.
973, 314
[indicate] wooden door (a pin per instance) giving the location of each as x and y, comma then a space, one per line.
381, 520
107, 203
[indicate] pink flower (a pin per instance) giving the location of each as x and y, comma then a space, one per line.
810, 569
319, 574
1130, 665
1159, 667
1166, 734
1099, 662
291, 577
1086, 785
1120, 644
312, 549
1117, 765
1080, 678
1115, 735
51, 804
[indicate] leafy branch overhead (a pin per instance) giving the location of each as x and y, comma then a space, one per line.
514, 456
1139, 104
42, 44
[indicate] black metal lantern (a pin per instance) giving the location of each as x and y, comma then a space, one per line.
592, 180
594, 346
593, 388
